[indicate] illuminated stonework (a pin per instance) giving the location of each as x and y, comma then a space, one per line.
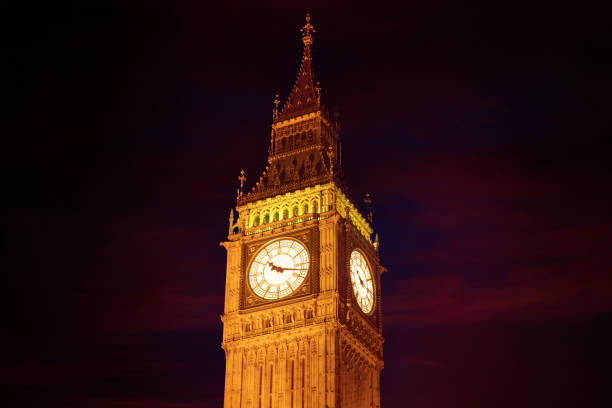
265, 213
302, 318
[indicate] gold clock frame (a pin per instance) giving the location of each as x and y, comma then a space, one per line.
309, 239
372, 277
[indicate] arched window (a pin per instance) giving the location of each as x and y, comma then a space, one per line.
296, 211
285, 214
306, 209
266, 218
256, 221
276, 216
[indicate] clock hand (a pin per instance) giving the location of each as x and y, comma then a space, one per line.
275, 268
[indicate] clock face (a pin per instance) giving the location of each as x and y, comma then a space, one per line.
279, 269
361, 279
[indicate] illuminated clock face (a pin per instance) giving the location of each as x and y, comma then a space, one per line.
361, 279
279, 269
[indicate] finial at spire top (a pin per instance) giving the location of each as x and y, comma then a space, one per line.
275, 110
307, 31
305, 96
242, 179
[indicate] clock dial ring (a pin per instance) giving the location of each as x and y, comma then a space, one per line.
278, 268
362, 281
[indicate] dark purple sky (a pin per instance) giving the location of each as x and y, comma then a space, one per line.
480, 130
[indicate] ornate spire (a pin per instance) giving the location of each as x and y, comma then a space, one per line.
231, 221
306, 93
242, 179
305, 151
368, 202
331, 155
275, 110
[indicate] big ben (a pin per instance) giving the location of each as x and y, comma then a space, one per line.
302, 316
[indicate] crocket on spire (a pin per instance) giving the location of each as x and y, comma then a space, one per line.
306, 93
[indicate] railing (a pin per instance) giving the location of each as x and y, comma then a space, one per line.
298, 220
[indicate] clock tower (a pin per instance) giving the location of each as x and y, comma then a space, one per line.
302, 318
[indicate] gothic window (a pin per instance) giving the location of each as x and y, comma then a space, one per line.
306, 209
296, 211
256, 221
266, 218
285, 214
276, 216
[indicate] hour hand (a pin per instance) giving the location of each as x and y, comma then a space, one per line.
275, 268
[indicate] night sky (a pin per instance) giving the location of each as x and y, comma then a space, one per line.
480, 131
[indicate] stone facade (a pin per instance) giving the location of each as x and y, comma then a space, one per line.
314, 348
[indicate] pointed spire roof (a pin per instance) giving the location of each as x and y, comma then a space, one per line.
305, 96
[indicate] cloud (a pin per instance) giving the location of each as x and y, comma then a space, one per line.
418, 361
566, 290
159, 310
147, 275
483, 238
